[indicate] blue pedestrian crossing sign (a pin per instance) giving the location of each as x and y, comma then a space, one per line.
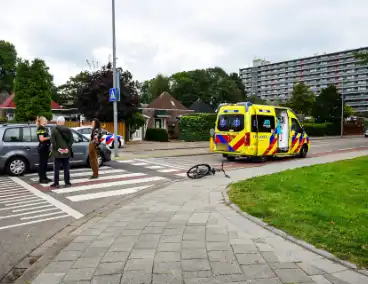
112, 95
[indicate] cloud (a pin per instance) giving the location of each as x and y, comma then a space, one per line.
165, 36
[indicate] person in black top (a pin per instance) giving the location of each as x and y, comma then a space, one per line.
43, 148
93, 147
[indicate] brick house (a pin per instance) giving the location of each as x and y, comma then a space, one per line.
163, 112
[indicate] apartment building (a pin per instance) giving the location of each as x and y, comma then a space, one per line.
274, 81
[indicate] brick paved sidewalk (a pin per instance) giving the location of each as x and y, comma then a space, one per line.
186, 234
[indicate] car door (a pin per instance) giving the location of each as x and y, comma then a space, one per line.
30, 143
80, 148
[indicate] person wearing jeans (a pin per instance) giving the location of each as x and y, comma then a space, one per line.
61, 141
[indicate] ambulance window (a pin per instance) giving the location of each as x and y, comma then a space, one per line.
295, 126
266, 123
230, 122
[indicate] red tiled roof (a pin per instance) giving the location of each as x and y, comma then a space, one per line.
9, 103
166, 101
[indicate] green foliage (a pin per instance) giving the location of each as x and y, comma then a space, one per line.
325, 205
33, 88
67, 94
151, 89
302, 99
157, 134
362, 57
322, 129
134, 122
196, 127
327, 107
257, 100
8, 61
92, 94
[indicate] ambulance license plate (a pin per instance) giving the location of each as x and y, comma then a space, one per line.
222, 147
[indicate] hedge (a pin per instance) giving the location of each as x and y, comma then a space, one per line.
196, 127
156, 134
322, 129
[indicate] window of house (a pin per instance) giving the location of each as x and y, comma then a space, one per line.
158, 123
295, 126
12, 135
266, 123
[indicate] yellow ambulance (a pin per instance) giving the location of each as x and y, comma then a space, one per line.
249, 130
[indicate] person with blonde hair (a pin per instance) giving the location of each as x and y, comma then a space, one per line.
43, 148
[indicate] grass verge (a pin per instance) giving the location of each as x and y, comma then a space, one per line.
325, 205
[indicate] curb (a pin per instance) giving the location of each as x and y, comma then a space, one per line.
286, 236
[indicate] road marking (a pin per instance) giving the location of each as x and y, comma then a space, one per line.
22, 206
126, 161
15, 189
81, 174
19, 197
89, 196
23, 202
37, 207
169, 170
71, 171
154, 167
42, 215
33, 222
82, 180
182, 175
16, 194
161, 164
68, 210
109, 184
140, 164
29, 213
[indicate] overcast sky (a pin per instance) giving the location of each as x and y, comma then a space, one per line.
167, 36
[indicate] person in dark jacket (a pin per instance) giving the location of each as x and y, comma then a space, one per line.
93, 148
43, 137
62, 141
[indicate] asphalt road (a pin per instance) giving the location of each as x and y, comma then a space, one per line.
31, 213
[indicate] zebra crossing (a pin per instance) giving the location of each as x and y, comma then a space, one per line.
111, 183
161, 166
21, 204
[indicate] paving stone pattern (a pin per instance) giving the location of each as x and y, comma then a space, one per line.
186, 234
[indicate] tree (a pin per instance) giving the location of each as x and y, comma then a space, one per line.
33, 88
327, 107
257, 100
8, 61
158, 85
67, 93
144, 96
362, 57
235, 77
93, 99
211, 85
302, 99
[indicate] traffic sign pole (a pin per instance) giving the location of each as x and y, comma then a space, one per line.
116, 145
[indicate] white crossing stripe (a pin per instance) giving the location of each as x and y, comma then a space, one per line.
109, 184
37, 207
26, 205
24, 201
15, 194
81, 180
169, 170
126, 161
19, 197
32, 222
154, 167
140, 164
29, 213
89, 196
42, 215
63, 207
71, 171
82, 174
182, 174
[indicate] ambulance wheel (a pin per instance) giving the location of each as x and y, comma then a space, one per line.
303, 151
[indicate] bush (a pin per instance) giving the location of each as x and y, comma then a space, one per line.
156, 134
197, 127
322, 129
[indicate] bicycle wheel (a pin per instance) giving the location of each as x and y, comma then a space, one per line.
199, 171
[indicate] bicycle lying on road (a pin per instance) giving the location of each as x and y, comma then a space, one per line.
202, 170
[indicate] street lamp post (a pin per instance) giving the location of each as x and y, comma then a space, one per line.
342, 108
115, 104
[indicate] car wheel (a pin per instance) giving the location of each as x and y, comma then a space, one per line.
303, 152
16, 166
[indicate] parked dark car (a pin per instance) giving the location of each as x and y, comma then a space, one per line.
18, 149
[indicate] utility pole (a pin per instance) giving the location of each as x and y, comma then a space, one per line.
115, 103
342, 108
